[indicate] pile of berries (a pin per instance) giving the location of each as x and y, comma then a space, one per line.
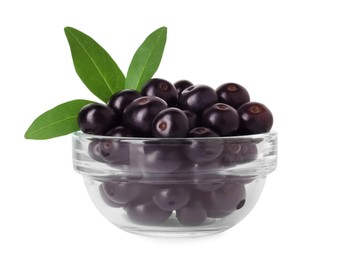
177, 110
181, 110
192, 204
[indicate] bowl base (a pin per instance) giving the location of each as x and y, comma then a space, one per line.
175, 233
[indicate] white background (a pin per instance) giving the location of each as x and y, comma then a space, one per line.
294, 56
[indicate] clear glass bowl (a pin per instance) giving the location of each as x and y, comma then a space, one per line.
174, 187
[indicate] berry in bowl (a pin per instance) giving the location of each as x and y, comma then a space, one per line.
160, 158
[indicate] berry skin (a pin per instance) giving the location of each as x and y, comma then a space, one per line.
209, 182
181, 85
94, 151
231, 196
248, 152
139, 114
171, 198
197, 97
255, 118
222, 118
96, 119
202, 132
193, 120
146, 213
120, 131
202, 151
121, 192
232, 94
192, 214
161, 88
121, 99
237, 153
159, 159
115, 151
108, 201
170, 122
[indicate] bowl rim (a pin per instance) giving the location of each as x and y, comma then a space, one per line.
267, 142
253, 137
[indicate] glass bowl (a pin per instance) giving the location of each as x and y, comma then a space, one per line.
175, 187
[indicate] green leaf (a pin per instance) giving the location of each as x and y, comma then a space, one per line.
94, 66
146, 60
58, 121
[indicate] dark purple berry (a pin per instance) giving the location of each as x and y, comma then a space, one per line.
161, 88
193, 120
209, 182
203, 150
238, 152
170, 122
120, 131
96, 119
159, 158
146, 191
248, 152
193, 214
121, 192
121, 99
197, 97
108, 201
181, 85
255, 118
231, 154
231, 196
232, 94
116, 151
222, 118
190, 167
202, 132
139, 114
147, 213
171, 198
94, 151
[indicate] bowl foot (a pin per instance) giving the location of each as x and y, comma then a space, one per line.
174, 233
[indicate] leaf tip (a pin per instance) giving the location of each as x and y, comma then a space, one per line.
67, 28
163, 29
28, 136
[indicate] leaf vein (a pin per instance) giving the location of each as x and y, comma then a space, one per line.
92, 60
51, 124
147, 60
